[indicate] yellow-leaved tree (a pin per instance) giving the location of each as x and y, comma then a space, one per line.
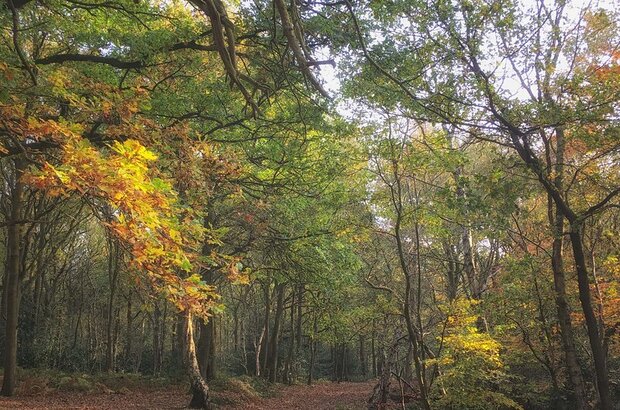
160, 234
470, 364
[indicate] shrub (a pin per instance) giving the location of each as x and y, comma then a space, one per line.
470, 364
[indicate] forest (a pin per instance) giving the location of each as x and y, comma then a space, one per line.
310, 204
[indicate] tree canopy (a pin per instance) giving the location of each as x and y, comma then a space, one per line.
424, 193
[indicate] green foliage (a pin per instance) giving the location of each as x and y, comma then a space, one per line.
410, 202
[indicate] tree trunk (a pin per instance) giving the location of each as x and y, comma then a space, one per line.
345, 369
112, 277
179, 348
549, 360
412, 332
272, 356
288, 367
452, 271
207, 341
381, 392
258, 347
40, 273
373, 347
199, 388
12, 279
363, 365
156, 340
236, 329
576, 224
474, 282
337, 362
206, 349
265, 346
298, 332
594, 333
566, 328
557, 263
140, 346
469, 265
315, 329
129, 338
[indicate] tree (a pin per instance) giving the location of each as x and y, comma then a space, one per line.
453, 80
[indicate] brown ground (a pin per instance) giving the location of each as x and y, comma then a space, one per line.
324, 396
170, 398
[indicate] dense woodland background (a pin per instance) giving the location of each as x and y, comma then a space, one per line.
421, 192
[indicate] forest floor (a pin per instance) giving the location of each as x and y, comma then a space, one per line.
322, 396
234, 395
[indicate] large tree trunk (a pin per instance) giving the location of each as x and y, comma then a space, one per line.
199, 388
566, 328
594, 333
12, 279
576, 225
179, 342
557, 263
206, 349
207, 341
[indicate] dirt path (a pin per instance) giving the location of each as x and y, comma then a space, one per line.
323, 396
